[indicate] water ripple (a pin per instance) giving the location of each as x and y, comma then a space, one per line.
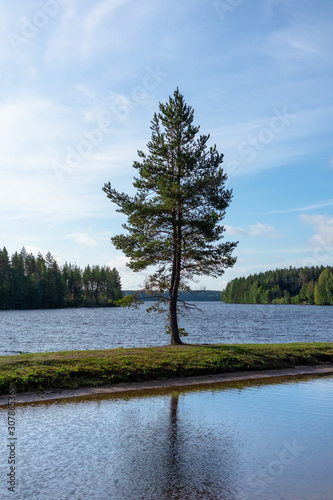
84, 329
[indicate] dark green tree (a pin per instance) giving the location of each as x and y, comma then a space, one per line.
96, 283
86, 279
53, 287
72, 282
19, 288
29, 282
174, 217
329, 287
113, 284
5, 279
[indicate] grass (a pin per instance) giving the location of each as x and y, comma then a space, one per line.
73, 369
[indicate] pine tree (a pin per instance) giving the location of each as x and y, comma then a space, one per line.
115, 284
86, 279
174, 218
329, 287
5, 279
54, 291
19, 281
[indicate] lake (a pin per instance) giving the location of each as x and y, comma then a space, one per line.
241, 441
106, 328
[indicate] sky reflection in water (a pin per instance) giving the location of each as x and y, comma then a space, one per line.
240, 442
107, 328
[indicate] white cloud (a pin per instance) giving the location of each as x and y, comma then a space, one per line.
35, 250
30, 124
91, 60
41, 197
256, 230
323, 227
263, 230
129, 279
82, 239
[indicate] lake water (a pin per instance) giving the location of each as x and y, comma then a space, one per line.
244, 441
105, 328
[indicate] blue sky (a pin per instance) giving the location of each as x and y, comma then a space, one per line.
80, 82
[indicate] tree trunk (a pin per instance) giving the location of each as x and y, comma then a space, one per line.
175, 278
175, 339
173, 298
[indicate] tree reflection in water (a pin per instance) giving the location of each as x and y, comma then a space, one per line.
197, 465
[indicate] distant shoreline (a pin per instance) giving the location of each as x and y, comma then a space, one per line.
193, 296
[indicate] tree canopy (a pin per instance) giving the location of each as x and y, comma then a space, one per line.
29, 282
304, 285
173, 220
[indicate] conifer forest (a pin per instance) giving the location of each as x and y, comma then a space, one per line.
29, 282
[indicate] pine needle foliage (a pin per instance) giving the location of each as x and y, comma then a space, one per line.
173, 221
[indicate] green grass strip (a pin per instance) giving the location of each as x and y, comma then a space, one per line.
73, 369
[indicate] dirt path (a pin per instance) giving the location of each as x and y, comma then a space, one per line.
186, 382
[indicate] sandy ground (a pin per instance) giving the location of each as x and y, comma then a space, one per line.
186, 382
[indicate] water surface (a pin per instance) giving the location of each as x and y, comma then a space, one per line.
104, 328
244, 441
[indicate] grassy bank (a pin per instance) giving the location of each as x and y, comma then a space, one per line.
72, 369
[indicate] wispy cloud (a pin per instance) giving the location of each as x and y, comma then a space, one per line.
303, 46
86, 32
256, 230
283, 136
130, 279
82, 238
323, 204
96, 17
30, 123
88, 61
323, 228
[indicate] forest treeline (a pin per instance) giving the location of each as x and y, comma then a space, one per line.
29, 282
202, 295
304, 285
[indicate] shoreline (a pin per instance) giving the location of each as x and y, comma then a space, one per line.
181, 382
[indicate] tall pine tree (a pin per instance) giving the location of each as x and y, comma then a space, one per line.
174, 218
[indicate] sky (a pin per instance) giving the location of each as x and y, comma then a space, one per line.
81, 80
